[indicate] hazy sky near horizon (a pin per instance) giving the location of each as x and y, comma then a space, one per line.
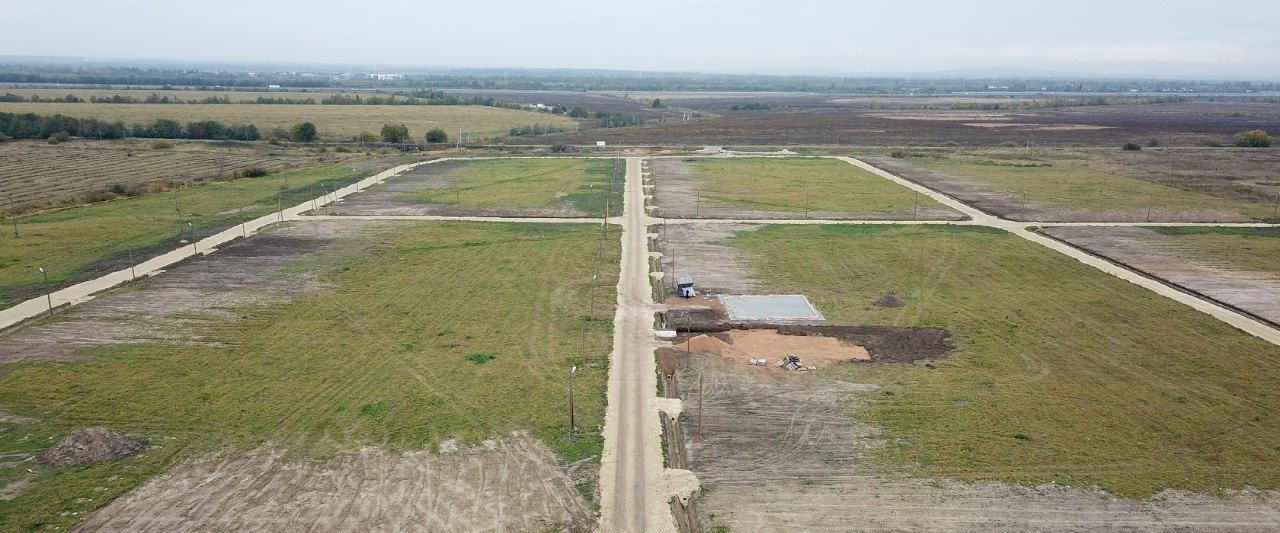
1132, 37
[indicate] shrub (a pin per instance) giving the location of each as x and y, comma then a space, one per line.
951, 144
1154, 142
1009, 144
437, 135
342, 149
395, 133
254, 171
1132, 146
1212, 142
1253, 139
365, 137
481, 358
898, 154
58, 137
4, 138
273, 140
303, 132
560, 148
161, 145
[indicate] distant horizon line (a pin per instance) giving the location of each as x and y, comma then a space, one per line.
966, 73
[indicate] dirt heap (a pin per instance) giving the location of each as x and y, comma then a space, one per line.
889, 300
92, 445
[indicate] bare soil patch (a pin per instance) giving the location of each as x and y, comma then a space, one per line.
889, 301
512, 484
1256, 293
779, 452
702, 251
171, 306
89, 446
744, 345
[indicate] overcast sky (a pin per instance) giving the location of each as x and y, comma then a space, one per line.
1124, 37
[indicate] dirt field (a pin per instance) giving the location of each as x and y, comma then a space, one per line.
519, 188
512, 484
1167, 257
716, 267
777, 451
37, 173
815, 119
775, 188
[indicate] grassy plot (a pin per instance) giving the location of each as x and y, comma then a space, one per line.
1062, 373
38, 174
1074, 185
1239, 248
443, 331
794, 185
68, 241
585, 184
335, 122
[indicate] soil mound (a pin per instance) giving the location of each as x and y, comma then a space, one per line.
886, 343
889, 301
92, 445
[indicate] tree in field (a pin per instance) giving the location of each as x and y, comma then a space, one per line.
366, 137
656, 103
437, 135
395, 133
579, 112
303, 132
1253, 139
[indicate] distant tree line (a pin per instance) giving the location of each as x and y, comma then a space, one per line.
753, 106
425, 97
33, 126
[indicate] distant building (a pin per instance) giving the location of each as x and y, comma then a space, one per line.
386, 77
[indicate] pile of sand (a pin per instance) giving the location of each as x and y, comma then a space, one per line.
747, 344
92, 445
889, 300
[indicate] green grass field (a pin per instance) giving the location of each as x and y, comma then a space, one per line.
334, 122
470, 336
68, 241
585, 184
1241, 248
1073, 185
1062, 373
794, 185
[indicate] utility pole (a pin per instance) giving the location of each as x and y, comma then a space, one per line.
194, 240
133, 272
573, 423
13, 213
47, 295
915, 207
177, 206
700, 387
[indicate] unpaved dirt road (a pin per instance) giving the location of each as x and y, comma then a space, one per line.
634, 486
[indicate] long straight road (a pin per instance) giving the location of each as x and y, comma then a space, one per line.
635, 486
631, 465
